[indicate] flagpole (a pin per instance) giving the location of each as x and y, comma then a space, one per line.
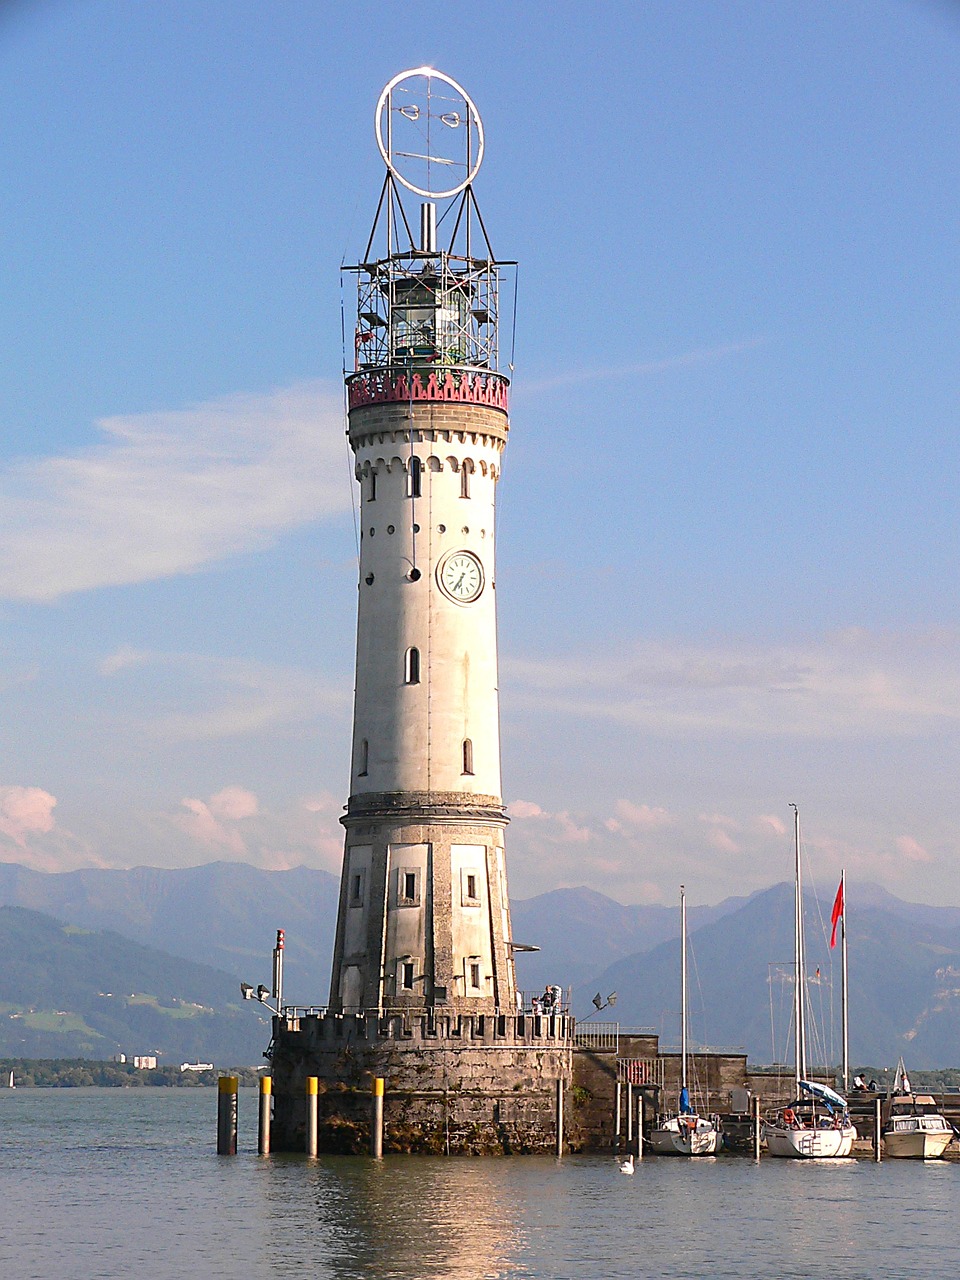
843, 980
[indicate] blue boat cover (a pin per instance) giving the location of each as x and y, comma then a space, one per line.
824, 1092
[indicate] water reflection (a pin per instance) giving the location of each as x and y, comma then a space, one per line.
401, 1217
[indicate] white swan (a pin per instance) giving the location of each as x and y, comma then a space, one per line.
626, 1166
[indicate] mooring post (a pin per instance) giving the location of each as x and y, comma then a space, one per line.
756, 1128
560, 1117
376, 1119
640, 1126
630, 1118
310, 1143
227, 1087
263, 1134
617, 1109
877, 1155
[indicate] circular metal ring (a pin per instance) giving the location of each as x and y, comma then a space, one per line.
472, 121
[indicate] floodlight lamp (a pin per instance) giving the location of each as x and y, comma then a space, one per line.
262, 992
246, 990
597, 1001
612, 999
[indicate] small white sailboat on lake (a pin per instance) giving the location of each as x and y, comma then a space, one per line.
817, 1126
684, 1133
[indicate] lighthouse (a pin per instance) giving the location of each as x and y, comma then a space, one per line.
424, 918
423, 989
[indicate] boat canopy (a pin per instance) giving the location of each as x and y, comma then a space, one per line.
824, 1092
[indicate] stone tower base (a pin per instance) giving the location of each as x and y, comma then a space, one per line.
470, 1085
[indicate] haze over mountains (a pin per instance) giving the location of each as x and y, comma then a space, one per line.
904, 957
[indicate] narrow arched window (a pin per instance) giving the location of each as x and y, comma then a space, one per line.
465, 481
411, 667
372, 487
467, 756
415, 478
364, 758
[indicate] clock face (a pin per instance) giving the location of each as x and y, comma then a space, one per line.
461, 576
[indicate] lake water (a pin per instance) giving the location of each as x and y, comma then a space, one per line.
124, 1182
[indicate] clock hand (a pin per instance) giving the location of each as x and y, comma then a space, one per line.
456, 585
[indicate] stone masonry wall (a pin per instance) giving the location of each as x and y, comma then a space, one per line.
480, 1085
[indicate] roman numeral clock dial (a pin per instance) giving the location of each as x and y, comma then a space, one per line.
460, 576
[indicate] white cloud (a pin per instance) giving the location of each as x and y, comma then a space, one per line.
233, 822
171, 492
644, 816
25, 811
911, 850
702, 355
837, 686
227, 697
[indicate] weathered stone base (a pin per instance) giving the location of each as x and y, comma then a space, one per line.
454, 1085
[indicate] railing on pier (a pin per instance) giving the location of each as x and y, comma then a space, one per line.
640, 1071
598, 1035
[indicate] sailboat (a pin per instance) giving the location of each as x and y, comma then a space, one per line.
12, 1084
817, 1126
685, 1133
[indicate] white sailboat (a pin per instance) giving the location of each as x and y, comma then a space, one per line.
817, 1126
684, 1133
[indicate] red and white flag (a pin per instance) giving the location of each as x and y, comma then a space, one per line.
836, 914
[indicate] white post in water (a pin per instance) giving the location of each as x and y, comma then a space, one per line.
263, 1134
639, 1126
629, 1116
376, 1118
756, 1128
617, 1110
877, 1130
310, 1137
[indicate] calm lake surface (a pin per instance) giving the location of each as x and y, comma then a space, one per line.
122, 1182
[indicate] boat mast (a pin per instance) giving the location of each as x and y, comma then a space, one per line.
843, 979
798, 995
683, 988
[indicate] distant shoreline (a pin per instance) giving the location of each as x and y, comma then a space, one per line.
92, 1073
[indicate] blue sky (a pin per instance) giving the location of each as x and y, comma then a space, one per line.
728, 551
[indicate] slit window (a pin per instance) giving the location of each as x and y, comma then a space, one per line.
467, 756
469, 888
415, 478
363, 758
408, 887
464, 481
407, 973
372, 487
474, 970
356, 889
411, 667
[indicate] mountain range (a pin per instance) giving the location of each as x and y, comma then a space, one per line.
66, 991
904, 957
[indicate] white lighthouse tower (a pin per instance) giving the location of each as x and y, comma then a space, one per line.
423, 992
424, 917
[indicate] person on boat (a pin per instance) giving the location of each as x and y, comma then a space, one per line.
790, 1118
873, 1087
685, 1107
859, 1084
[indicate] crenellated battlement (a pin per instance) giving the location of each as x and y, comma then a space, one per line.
321, 1027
